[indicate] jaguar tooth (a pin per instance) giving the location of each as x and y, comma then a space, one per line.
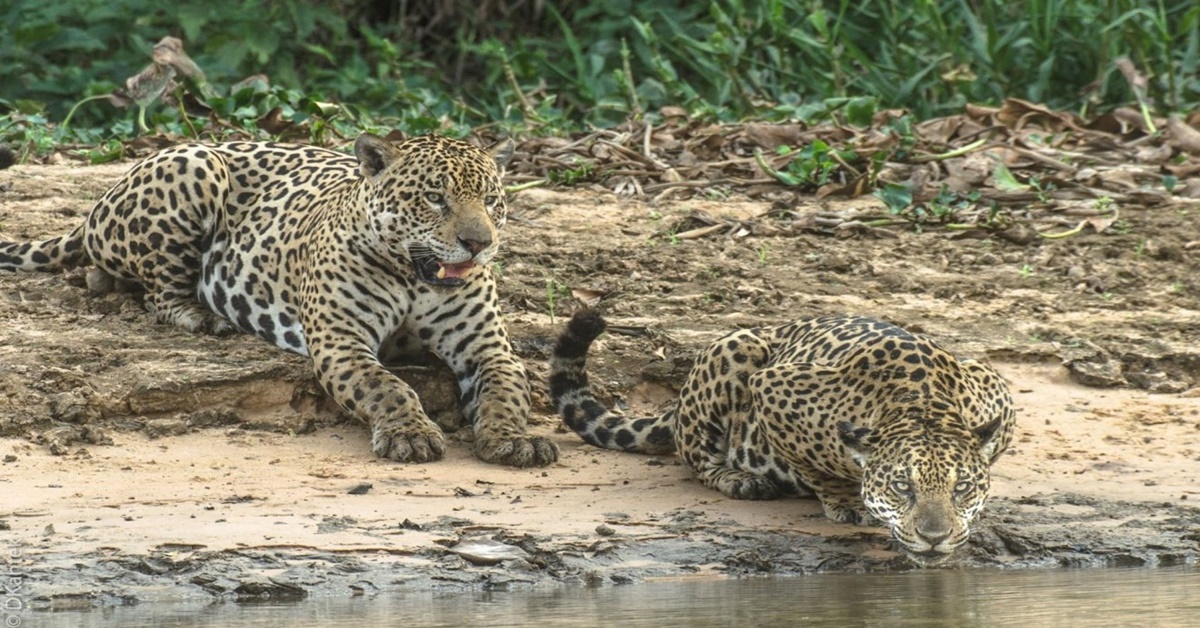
441, 273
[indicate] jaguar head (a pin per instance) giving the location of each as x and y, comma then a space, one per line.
925, 476
436, 203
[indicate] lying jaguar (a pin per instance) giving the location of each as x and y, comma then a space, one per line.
332, 256
874, 420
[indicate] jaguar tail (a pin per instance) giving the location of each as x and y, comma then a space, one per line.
572, 396
59, 252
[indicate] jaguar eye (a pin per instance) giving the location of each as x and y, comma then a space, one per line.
435, 198
491, 201
962, 487
902, 488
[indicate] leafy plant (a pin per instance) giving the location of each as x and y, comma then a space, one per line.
555, 292
571, 176
1006, 181
1042, 189
896, 197
943, 209
813, 165
549, 67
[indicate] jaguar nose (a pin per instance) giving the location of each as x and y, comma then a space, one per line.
933, 535
473, 245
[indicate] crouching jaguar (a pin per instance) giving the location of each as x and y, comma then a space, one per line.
874, 420
341, 258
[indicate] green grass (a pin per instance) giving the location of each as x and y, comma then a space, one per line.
555, 293
339, 66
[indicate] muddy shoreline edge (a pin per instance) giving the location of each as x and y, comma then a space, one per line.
1008, 536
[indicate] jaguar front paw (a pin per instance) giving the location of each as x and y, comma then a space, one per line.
842, 512
405, 442
516, 451
737, 484
216, 325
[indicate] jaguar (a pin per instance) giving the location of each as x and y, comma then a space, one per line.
881, 425
344, 258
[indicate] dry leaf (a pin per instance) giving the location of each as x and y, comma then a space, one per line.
150, 143
855, 188
772, 136
272, 122
149, 85
1189, 189
1117, 179
588, 297
940, 130
169, 51
884, 116
981, 111
1183, 136
673, 115
255, 82
1016, 114
1102, 223
1137, 81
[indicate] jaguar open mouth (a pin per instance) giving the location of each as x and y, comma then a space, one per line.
437, 273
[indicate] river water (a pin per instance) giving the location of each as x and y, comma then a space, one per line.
934, 598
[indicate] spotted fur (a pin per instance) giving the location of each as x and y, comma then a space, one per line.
332, 256
879, 423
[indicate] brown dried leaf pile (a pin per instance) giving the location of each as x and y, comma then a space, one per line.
1067, 173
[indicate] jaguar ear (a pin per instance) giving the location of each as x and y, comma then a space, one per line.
989, 438
374, 154
859, 440
502, 151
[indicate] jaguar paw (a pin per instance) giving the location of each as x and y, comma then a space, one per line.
516, 451
402, 442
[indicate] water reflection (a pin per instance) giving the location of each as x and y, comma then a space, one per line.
1113, 597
